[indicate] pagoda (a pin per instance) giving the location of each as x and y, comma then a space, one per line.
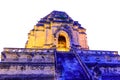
57, 49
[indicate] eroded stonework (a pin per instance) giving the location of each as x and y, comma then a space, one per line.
57, 49
57, 30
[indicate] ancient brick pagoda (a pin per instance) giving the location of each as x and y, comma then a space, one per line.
57, 49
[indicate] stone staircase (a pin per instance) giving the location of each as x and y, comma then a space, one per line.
70, 67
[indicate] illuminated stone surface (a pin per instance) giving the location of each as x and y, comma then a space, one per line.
57, 49
57, 30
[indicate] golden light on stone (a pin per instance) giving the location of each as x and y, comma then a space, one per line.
54, 32
57, 49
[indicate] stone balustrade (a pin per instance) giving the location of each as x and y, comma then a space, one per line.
97, 52
99, 56
27, 55
28, 50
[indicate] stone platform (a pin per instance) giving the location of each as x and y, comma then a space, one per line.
49, 64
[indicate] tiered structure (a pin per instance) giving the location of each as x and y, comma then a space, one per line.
57, 30
57, 49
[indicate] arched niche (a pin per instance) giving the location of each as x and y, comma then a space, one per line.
62, 41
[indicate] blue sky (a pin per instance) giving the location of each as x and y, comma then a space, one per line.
101, 18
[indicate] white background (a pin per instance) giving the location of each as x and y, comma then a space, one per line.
101, 18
